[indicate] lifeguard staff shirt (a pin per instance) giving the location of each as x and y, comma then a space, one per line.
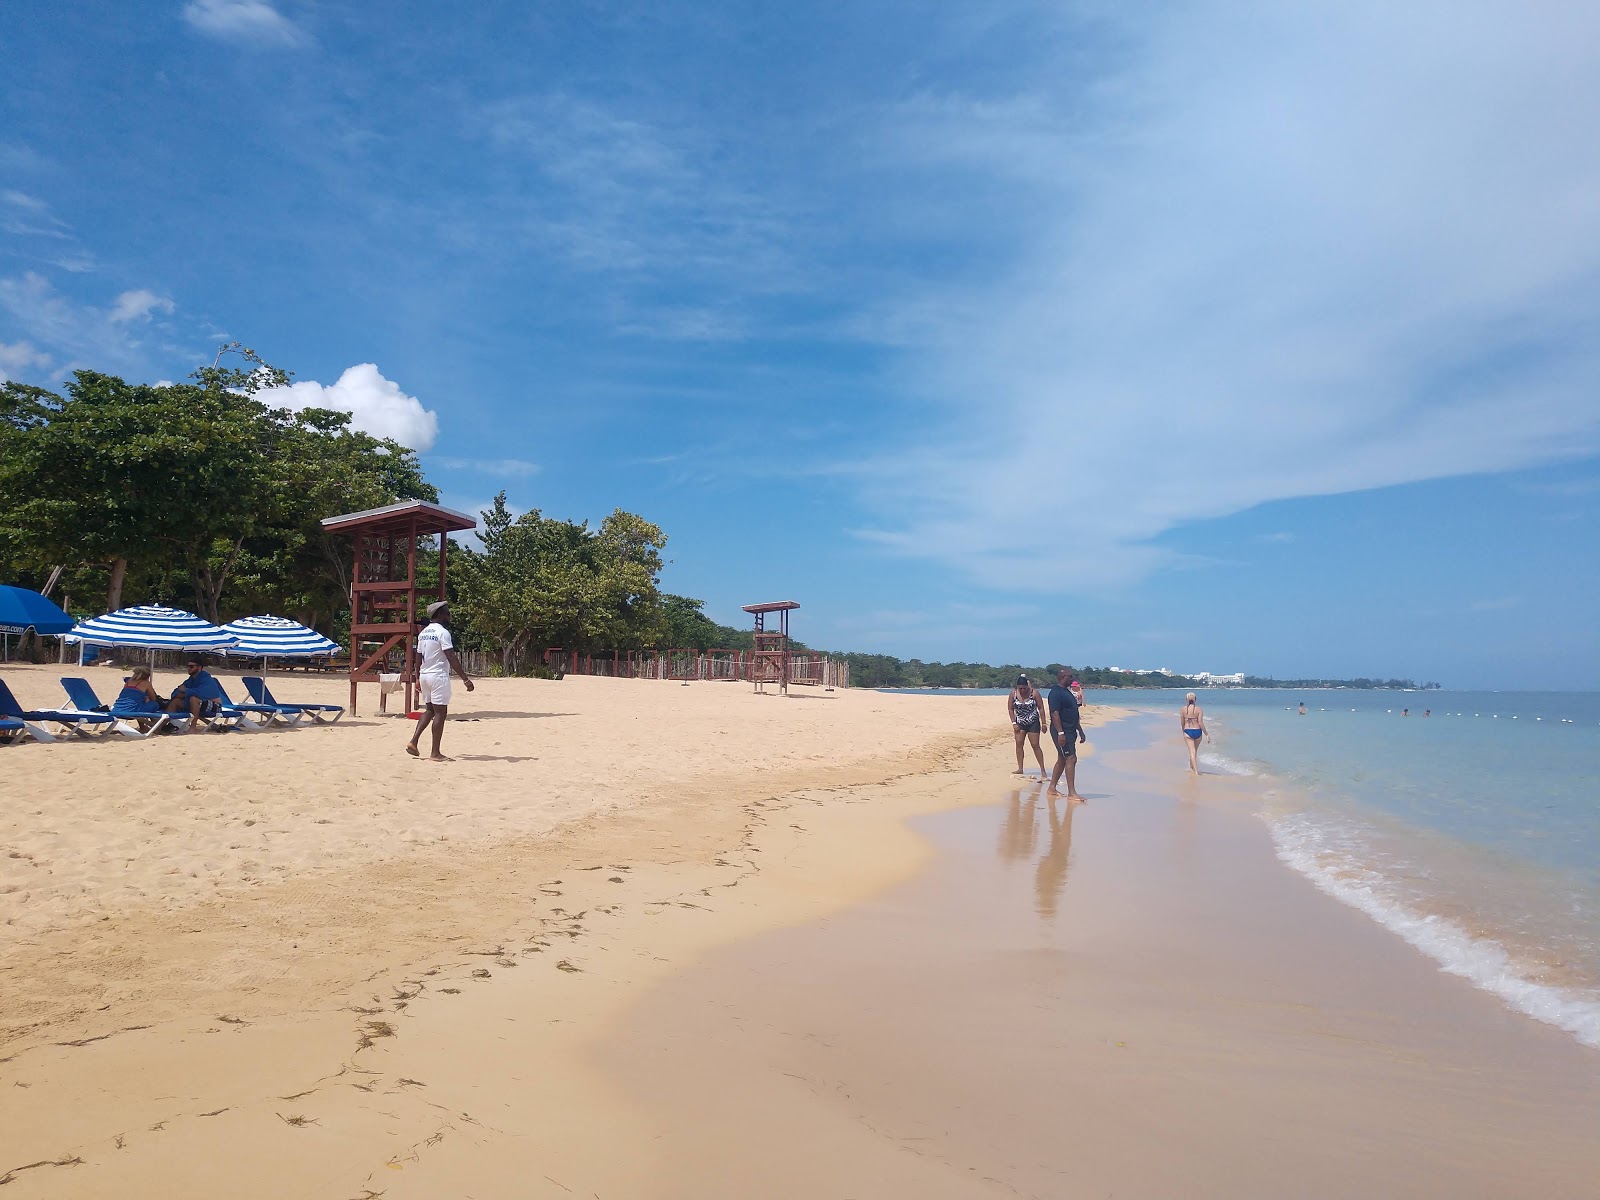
432, 643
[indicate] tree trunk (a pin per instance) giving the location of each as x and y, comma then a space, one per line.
209, 585
119, 572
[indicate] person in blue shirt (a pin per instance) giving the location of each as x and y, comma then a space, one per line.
1066, 728
199, 695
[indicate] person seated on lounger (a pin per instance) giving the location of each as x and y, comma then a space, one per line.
199, 695
138, 700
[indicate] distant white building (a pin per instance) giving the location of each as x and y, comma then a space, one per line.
1207, 679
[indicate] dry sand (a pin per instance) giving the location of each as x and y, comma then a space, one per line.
681, 941
156, 894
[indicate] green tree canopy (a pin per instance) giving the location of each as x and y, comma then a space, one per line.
541, 582
199, 493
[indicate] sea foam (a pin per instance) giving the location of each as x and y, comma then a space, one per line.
1322, 854
1224, 765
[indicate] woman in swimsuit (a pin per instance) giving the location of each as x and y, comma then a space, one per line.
138, 701
1026, 707
1192, 720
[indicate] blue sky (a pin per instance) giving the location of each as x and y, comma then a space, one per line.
1214, 336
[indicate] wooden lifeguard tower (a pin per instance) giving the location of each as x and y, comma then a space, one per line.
769, 660
386, 605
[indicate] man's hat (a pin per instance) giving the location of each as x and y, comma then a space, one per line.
433, 609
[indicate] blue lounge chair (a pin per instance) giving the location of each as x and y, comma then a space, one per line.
82, 695
262, 694
70, 719
287, 713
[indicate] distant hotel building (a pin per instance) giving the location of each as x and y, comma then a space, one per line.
1203, 678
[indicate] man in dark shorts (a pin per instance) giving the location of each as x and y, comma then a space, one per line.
1066, 728
200, 695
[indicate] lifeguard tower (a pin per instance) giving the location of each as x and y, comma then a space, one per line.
769, 660
386, 605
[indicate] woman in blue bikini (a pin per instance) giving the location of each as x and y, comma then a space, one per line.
1192, 720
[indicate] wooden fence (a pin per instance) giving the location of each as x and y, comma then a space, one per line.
730, 666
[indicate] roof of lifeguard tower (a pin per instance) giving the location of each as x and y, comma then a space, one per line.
775, 606
429, 518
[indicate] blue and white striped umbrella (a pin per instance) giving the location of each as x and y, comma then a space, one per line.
152, 627
277, 637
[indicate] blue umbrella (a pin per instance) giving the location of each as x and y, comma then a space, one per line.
277, 637
152, 627
22, 610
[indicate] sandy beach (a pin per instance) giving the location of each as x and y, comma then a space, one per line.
644, 939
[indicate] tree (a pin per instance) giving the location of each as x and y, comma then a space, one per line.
194, 489
685, 625
541, 582
115, 473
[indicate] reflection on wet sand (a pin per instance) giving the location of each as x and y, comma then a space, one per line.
1019, 841
1050, 878
1018, 835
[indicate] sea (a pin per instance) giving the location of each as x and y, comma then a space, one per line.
1467, 823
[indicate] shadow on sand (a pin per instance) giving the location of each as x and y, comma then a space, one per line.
471, 715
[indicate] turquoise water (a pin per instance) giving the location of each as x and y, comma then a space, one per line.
1473, 832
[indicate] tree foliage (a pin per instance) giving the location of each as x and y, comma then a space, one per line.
540, 582
196, 493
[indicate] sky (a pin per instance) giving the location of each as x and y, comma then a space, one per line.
1211, 336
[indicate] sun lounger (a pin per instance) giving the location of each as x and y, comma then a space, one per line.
286, 713
70, 719
262, 694
82, 694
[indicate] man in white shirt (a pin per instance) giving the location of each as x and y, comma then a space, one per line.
436, 656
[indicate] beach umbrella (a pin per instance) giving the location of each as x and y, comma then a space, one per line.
277, 637
22, 610
152, 627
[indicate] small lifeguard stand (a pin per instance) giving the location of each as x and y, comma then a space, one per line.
769, 661
384, 596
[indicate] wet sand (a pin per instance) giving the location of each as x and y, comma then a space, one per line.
1131, 998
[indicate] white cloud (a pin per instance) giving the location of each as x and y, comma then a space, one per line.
635, 198
511, 468
36, 219
17, 357
138, 305
375, 404
70, 334
1275, 251
253, 21
22, 200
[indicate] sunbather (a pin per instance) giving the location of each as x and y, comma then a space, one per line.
138, 700
199, 695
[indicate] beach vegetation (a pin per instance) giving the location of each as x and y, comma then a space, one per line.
540, 582
198, 494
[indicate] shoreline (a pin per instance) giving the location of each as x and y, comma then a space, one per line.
1139, 999
1428, 888
486, 1061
